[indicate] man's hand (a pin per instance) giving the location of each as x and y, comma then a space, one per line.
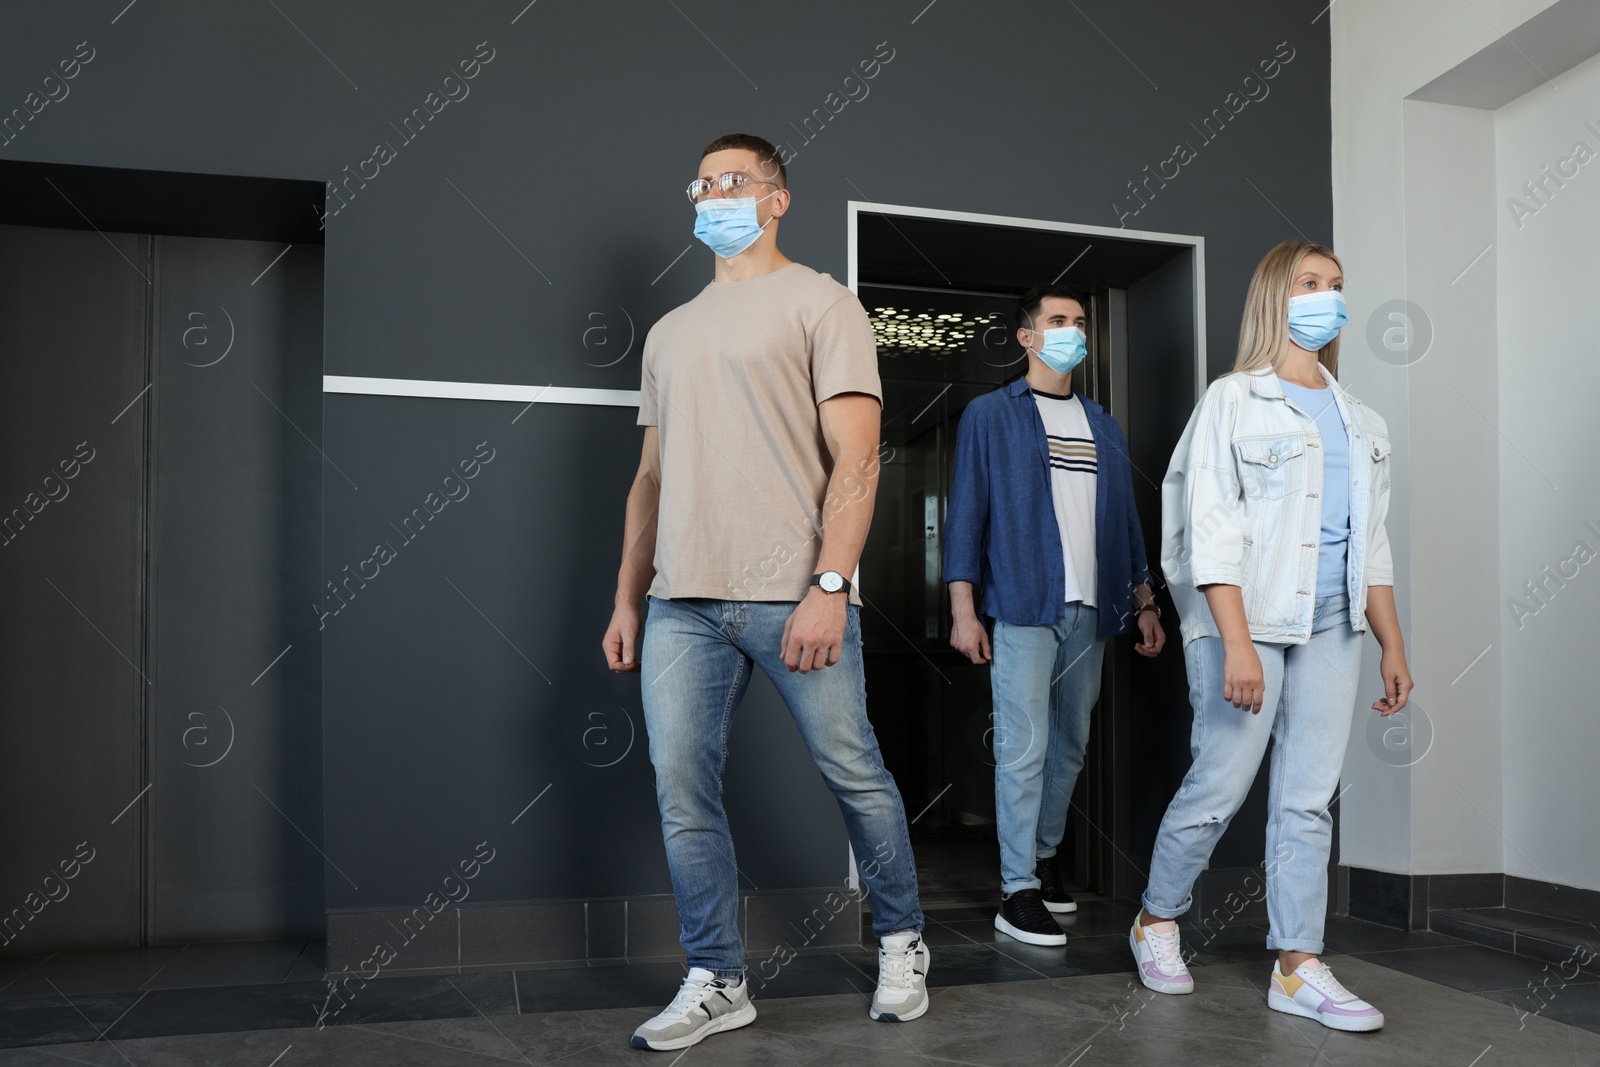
1155, 638
968, 637
814, 632
620, 635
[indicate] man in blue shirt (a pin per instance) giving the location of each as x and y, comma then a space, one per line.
1042, 517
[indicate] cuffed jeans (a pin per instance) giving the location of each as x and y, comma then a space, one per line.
1045, 680
695, 663
1306, 711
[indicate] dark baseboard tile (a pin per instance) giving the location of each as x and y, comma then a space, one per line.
1380, 897
1547, 898
1405, 901
1231, 894
479, 936
803, 920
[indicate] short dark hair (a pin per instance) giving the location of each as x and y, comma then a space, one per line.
771, 162
1028, 303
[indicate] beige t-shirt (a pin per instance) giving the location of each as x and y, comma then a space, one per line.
733, 379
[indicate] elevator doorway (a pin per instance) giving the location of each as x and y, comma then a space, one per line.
160, 553
940, 289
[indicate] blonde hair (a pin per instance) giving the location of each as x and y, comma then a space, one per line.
1264, 331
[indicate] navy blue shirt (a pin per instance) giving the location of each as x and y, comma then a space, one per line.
1000, 532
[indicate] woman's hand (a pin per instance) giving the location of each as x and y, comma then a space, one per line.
1243, 684
1385, 623
1397, 684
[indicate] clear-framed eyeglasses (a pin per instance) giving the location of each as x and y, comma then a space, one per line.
731, 184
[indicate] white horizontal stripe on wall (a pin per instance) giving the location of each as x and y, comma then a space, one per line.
520, 394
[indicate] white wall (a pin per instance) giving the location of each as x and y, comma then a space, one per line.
1548, 268
1455, 789
1395, 244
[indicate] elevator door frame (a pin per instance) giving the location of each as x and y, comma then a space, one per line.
1110, 811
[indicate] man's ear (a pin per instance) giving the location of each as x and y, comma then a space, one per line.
780, 203
1022, 336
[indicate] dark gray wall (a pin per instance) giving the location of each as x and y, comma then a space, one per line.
547, 203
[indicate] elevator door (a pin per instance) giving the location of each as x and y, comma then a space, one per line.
162, 480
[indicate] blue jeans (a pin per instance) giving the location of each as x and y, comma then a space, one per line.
695, 664
1045, 681
1306, 711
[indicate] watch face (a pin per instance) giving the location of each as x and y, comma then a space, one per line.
831, 581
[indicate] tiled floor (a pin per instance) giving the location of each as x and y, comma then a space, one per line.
995, 1002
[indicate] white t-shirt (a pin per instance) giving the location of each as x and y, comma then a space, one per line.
1073, 470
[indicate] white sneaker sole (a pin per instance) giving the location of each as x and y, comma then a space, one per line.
915, 1013
1025, 936
731, 1021
1278, 1002
1174, 988
1062, 909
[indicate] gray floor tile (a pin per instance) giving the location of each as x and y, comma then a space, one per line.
1585, 1047
14, 966
855, 1056
1429, 1023
256, 1047
240, 963
1136, 1046
833, 1020
982, 1034
1220, 1009
1469, 967
1575, 1005
538, 1037
92, 971
1008, 1019
965, 932
1343, 934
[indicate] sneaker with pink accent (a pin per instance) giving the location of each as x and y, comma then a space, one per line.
1159, 959
1313, 992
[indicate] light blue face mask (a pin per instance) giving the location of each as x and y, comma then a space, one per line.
1064, 348
1316, 318
728, 225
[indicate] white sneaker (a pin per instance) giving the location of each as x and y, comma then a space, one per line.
902, 993
1313, 992
1159, 958
705, 1005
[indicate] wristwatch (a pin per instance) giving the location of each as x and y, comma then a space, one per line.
1152, 606
831, 582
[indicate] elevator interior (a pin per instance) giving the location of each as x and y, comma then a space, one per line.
940, 289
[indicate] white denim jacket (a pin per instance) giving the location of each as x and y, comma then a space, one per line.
1242, 505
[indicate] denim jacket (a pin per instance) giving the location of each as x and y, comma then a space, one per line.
1000, 529
1241, 505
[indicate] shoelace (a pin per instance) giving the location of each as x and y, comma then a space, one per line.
1165, 949
1322, 980
1031, 910
895, 966
690, 994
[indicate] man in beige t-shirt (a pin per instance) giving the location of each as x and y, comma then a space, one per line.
760, 401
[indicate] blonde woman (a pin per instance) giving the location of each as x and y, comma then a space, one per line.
1274, 547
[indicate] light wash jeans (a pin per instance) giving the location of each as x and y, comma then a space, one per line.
695, 665
1306, 711
1045, 680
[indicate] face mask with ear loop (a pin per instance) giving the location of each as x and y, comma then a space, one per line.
1063, 348
728, 225
1316, 318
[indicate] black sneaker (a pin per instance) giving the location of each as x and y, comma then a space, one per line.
1023, 916
1055, 897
